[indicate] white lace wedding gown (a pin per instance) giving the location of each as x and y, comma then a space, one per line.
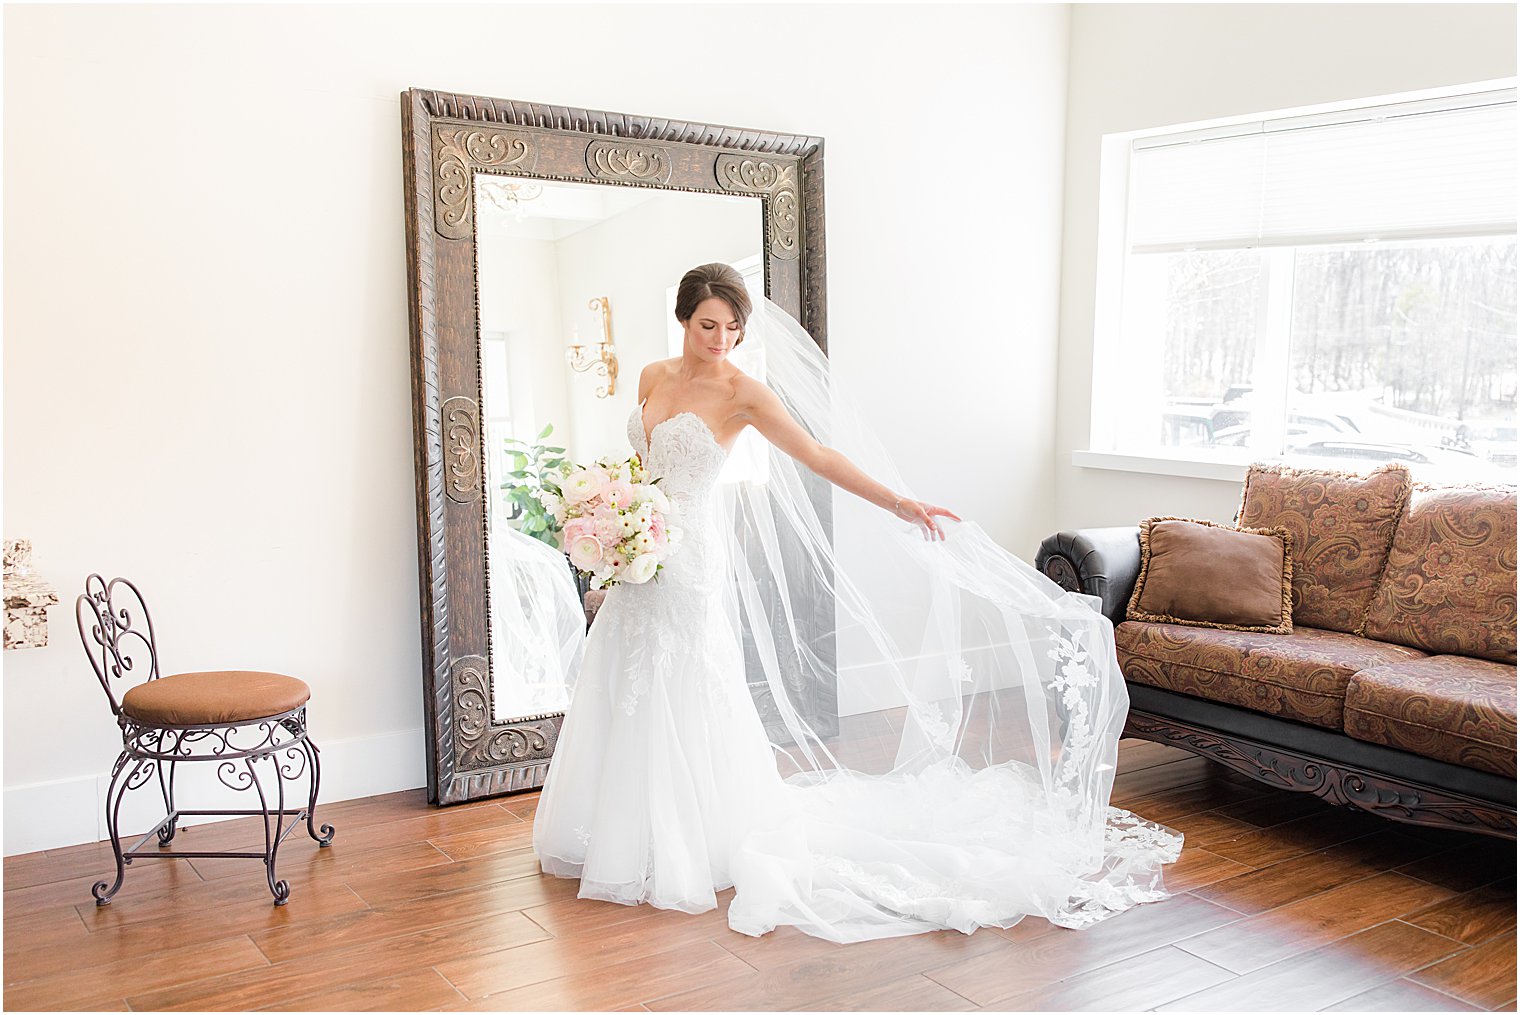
664, 787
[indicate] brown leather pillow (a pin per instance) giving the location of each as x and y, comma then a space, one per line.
1204, 574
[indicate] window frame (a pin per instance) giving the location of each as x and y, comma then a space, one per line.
1111, 364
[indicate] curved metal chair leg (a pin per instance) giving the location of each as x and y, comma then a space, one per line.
280, 889
327, 833
115, 791
166, 787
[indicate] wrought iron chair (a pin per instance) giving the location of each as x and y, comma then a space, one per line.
235, 719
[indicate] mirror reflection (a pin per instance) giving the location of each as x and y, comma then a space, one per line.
577, 287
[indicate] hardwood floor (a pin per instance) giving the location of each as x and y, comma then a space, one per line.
1281, 903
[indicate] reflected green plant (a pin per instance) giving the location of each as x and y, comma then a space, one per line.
534, 470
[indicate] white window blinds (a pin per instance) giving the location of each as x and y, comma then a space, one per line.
1402, 171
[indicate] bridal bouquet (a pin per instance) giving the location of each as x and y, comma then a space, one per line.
617, 524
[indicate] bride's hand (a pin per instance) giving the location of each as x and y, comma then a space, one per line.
923, 514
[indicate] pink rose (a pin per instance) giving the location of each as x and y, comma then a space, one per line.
608, 530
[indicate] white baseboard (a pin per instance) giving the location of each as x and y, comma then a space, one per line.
66, 812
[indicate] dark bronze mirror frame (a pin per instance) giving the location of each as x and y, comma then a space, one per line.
446, 140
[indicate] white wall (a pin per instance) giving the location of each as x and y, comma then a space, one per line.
206, 366
1151, 65
519, 280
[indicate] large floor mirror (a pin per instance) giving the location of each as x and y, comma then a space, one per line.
544, 249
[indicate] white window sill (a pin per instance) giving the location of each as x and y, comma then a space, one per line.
1235, 472
1191, 468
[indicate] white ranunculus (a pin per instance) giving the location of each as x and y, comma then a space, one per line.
641, 569
583, 484
658, 499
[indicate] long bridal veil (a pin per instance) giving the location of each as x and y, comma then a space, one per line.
948, 716
945, 718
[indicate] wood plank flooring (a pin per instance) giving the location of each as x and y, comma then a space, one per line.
1281, 902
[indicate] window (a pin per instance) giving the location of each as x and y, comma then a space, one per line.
1335, 289
500, 421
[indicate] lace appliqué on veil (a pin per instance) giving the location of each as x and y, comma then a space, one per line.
1127, 873
1073, 678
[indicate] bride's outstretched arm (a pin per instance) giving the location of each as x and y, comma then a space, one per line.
767, 415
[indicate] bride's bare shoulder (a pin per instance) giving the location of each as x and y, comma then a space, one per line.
754, 397
652, 374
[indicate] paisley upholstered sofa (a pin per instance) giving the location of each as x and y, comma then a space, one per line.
1394, 691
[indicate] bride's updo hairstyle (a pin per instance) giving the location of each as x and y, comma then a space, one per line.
707, 281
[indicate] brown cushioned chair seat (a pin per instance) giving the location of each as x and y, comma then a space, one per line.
1451, 708
1301, 676
214, 696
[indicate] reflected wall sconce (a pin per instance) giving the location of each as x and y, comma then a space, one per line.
601, 358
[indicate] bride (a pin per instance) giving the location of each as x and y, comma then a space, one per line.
852, 707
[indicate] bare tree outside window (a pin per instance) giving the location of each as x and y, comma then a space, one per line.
1329, 286
1393, 353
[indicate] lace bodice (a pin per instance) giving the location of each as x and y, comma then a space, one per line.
683, 454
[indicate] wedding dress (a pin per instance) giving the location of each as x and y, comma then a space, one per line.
662, 765
975, 794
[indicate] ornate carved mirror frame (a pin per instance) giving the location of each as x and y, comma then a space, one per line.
446, 140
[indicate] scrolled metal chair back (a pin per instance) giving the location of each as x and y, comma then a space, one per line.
117, 644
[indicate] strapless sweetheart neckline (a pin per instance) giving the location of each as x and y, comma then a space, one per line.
649, 432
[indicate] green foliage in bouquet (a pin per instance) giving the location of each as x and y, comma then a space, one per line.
534, 470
